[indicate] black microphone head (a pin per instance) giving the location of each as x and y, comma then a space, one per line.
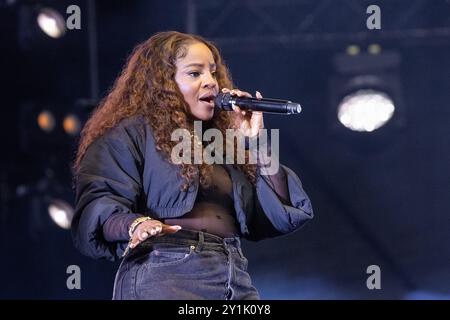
222, 101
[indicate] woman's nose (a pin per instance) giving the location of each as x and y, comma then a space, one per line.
209, 81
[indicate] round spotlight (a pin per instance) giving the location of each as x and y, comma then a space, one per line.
61, 213
374, 49
46, 121
51, 22
352, 50
365, 110
71, 125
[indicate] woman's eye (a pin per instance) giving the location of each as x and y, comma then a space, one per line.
194, 74
214, 74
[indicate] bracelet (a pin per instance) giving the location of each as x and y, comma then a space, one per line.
135, 223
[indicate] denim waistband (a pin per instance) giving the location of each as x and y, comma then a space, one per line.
193, 237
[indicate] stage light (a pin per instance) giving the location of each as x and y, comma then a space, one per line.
51, 22
61, 213
374, 49
51, 127
46, 121
365, 110
72, 125
49, 198
353, 50
366, 101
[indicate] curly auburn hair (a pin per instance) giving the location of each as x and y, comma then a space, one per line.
147, 87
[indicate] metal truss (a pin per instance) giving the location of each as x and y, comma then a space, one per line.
317, 23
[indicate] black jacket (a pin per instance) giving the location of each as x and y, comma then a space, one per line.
122, 172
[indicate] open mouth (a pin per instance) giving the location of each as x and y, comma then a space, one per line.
208, 99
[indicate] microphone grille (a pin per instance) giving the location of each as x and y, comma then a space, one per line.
294, 108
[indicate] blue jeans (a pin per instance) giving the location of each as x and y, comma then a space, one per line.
185, 265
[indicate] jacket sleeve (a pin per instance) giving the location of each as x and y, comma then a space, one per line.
108, 182
271, 217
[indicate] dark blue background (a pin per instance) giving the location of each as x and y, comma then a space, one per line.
380, 199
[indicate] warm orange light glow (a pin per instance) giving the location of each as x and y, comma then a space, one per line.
71, 125
46, 121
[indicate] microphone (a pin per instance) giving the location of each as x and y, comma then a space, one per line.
225, 101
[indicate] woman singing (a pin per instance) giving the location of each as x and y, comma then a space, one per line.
176, 226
